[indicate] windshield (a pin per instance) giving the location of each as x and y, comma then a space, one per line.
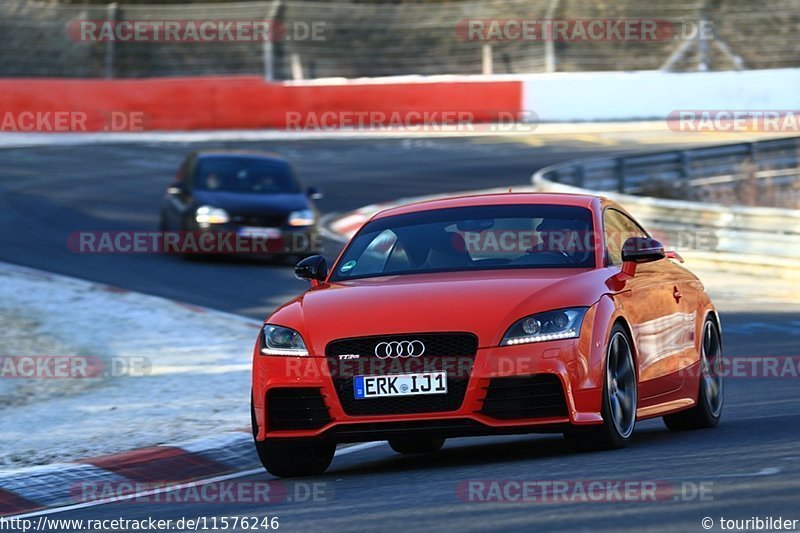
245, 175
471, 238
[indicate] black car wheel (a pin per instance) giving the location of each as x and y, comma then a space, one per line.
620, 399
710, 397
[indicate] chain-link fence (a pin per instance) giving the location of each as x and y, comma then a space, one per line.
317, 39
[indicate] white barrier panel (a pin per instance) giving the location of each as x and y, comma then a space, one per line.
654, 94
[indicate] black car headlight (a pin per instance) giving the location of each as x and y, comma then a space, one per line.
303, 217
206, 215
278, 340
548, 326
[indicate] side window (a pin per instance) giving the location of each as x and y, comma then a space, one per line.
374, 258
618, 228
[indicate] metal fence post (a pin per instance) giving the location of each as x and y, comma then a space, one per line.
267, 49
686, 172
754, 153
580, 175
269, 71
486, 60
702, 46
297, 66
112, 12
549, 45
755, 167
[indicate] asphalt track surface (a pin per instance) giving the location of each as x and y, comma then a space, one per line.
749, 465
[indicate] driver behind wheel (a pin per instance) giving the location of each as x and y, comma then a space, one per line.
565, 237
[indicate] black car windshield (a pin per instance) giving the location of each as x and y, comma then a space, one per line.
471, 238
245, 175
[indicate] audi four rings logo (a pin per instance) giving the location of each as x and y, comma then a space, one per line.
395, 349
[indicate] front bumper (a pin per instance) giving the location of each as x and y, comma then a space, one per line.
562, 359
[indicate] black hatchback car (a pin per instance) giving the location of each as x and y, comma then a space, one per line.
251, 196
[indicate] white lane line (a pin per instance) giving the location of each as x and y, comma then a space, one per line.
769, 471
766, 402
162, 490
358, 447
761, 418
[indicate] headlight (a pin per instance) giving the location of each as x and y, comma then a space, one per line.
206, 215
549, 326
277, 340
304, 217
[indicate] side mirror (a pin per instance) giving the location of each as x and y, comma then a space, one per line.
314, 269
642, 250
314, 193
635, 251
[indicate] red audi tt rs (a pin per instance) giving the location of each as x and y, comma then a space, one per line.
486, 315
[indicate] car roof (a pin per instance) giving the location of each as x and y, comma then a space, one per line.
578, 200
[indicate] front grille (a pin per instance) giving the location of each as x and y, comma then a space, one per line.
261, 221
538, 396
451, 352
296, 408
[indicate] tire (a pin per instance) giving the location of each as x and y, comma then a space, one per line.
620, 399
307, 457
416, 444
711, 391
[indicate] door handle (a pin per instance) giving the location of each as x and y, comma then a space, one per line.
676, 293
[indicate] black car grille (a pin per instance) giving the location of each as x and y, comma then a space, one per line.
451, 352
296, 408
261, 221
367, 431
538, 396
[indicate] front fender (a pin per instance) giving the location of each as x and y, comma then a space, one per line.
594, 335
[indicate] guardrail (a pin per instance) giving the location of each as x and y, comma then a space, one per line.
682, 174
699, 174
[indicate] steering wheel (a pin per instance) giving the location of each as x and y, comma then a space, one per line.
560, 253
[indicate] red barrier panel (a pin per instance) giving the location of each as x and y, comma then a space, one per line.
244, 102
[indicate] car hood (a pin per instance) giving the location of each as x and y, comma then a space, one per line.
485, 303
253, 203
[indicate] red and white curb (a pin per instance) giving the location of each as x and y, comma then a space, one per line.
29, 489
149, 471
